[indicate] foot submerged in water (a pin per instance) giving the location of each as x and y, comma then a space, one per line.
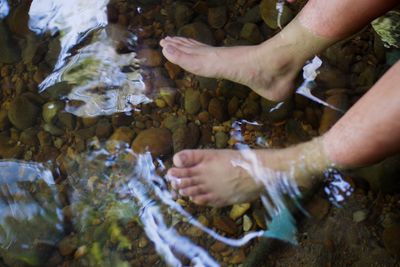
247, 65
208, 177
216, 177
269, 68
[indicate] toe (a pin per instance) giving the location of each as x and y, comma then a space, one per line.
181, 172
193, 191
188, 158
181, 183
176, 55
201, 199
187, 41
186, 182
181, 41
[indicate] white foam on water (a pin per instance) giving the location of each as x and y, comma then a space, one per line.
4, 9
277, 185
310, 72
279, 7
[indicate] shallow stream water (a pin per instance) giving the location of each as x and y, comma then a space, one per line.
91, 114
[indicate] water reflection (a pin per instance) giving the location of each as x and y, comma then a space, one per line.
100, 81
125, 186
31, 223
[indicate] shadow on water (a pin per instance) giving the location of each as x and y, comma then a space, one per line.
89, 202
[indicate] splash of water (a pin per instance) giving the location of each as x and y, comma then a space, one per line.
97, 73
277, 185
279, 7
309, 75
4, 9
337, 188
135, 183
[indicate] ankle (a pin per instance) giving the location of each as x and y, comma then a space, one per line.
310, 161
300, 42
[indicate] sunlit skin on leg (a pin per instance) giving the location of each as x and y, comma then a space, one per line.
368, 132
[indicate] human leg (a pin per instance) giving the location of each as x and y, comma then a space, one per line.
271, 67
368, 132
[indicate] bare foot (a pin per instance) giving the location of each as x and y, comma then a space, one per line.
269, 68
247, 65
214, 177
209, 178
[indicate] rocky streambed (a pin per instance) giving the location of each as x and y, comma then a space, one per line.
189, 112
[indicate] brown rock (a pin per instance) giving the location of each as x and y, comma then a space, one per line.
89, 121
201, 7
18, 20
172, 122
9, 149
259, 216
172, 70
23, 113
198, 31
330, 116
156, 140
195, 231
68, 245
217, 110
150, 57
185, 137
192, 101
204, 117
182, 13
251, 33
112, 13
67, 120
168, 94
29, 137
44, 138
221, 140
205, 98
103, 129
123, 134
391, 239
225, 224
330, 77
122, 119
218, 247
206, 135
250, 108
238, 210
4, 122
217, 17
233, 105
318, 208
238, 257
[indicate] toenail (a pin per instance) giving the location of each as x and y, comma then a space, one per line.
182, 158
170, 49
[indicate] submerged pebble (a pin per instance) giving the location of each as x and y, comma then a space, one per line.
158, 141
23, 113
